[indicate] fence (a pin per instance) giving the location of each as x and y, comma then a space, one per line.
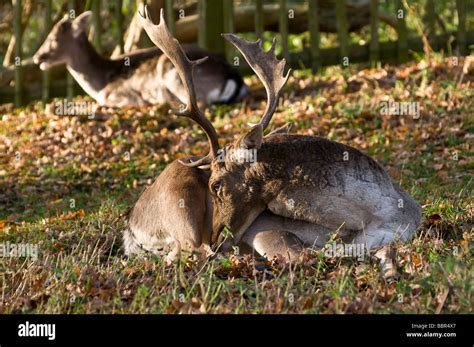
216, 16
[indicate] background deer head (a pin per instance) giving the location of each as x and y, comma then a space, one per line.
61, 42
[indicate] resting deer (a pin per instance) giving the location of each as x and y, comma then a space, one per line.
305, 178
139, 78
174, 215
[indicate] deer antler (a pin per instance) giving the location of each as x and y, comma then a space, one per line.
268, 69
162, 38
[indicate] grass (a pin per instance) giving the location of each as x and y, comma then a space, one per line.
66, 183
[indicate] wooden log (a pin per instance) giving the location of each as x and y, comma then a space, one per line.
31, 74
245, 20
361, 53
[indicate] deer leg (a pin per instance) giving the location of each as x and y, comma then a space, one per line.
378, 237
387, 262
274, 243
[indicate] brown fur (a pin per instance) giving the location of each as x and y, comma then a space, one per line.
132, 79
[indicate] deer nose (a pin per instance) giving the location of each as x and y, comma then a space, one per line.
38, 58
216, 239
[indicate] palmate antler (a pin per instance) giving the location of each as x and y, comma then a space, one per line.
162, 38
268, 68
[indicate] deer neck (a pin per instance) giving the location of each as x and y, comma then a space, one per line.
91, 70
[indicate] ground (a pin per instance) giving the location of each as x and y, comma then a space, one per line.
66, 183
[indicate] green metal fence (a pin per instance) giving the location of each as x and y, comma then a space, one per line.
217, 16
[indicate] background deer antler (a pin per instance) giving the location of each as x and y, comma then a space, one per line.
268, 68
162, 38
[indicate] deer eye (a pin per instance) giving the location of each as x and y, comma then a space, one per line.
215, 186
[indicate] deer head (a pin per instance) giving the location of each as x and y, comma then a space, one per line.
237, 201
236, 205
62, 41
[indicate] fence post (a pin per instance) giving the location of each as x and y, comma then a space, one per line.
119, 17
229, 27
374, 32
430, 13
461, 9
170, 18
402, 32
70, 83
18, 53
259, 19
46, 85
211, 25
283, 27
342, 31
96, 23
313, 26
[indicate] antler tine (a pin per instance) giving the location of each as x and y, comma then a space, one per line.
162, 38
268, 68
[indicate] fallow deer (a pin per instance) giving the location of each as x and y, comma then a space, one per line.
174, 215
304, 178
139, 78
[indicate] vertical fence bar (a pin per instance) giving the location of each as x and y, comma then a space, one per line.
46, 86
374, 32
201, 7
283, 28
313, 26
461, 9
229, 27
259, 19
70, 80
402, 32
170, 17
119, 18
96, 22
211, 25
18, 52
430, 13
342, 31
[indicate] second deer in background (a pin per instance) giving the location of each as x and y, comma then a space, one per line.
144, 77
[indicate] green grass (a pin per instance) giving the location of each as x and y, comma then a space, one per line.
81, 268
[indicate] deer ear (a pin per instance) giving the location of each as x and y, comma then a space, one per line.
81, 23
252, 139
285, 129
